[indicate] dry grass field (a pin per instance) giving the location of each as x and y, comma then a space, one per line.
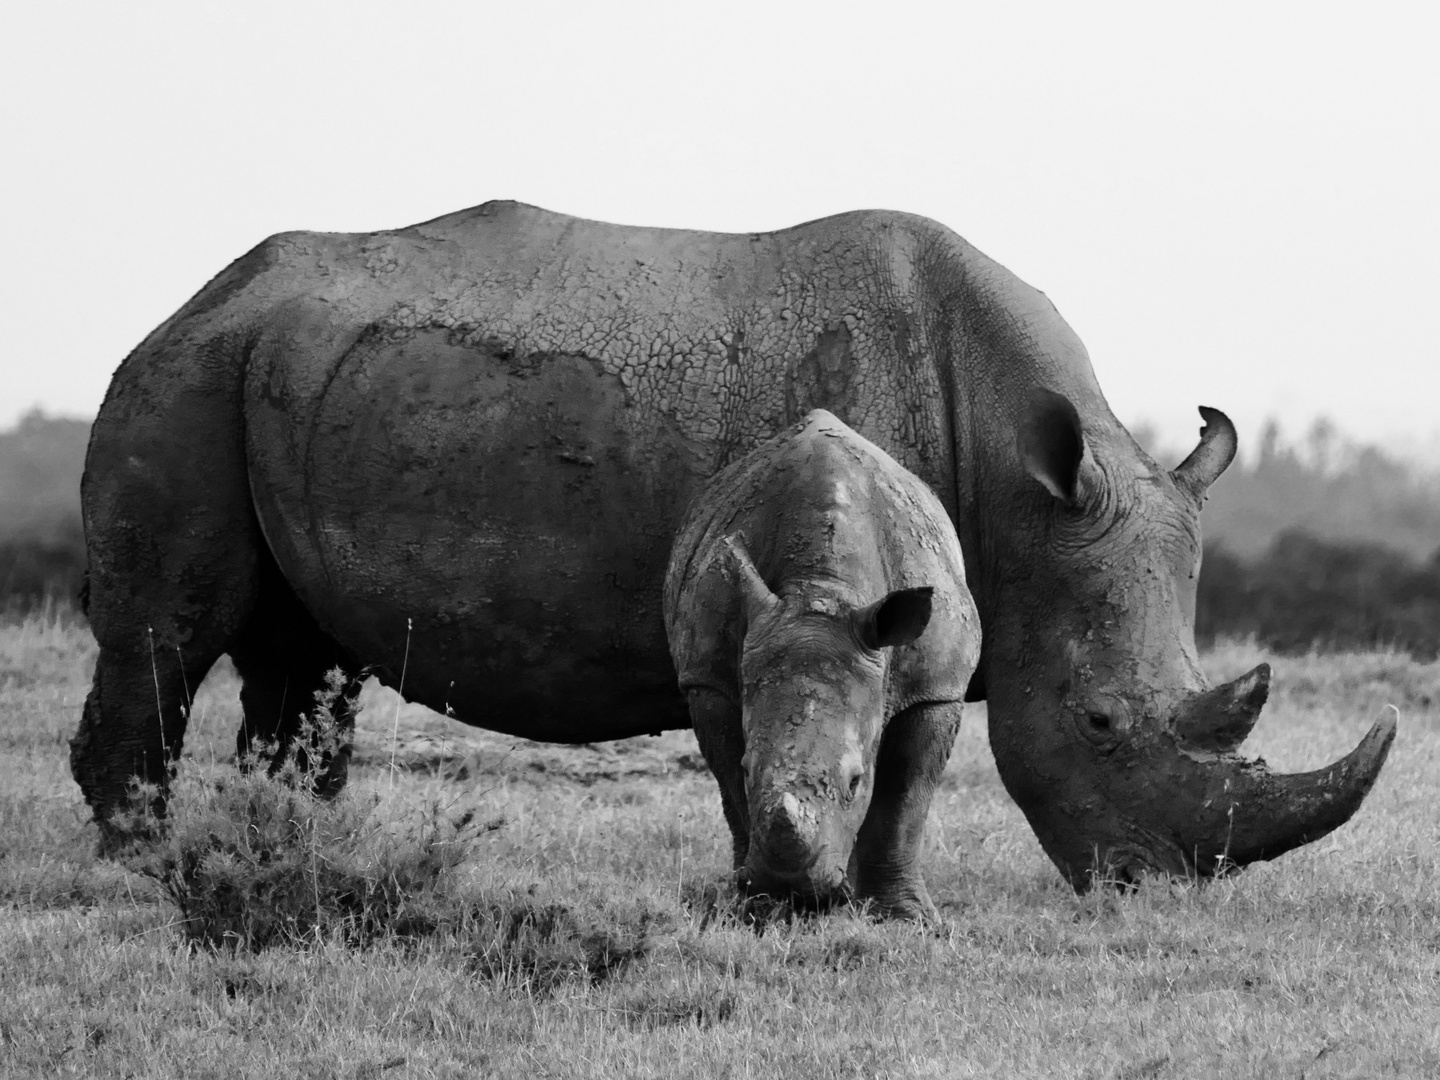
584, 926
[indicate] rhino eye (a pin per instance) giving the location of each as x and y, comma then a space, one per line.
1099, 729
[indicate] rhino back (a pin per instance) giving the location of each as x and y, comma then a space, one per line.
726, 338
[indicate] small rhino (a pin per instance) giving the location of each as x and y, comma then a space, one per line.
823, 634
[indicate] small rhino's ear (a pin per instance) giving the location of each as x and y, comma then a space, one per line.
1051, 443
898, 619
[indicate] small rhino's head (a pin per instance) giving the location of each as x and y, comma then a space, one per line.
812, 673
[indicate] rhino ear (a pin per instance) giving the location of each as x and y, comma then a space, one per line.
1051, 443
898, 619
1211, 456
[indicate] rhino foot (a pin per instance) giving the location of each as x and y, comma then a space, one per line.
906, 899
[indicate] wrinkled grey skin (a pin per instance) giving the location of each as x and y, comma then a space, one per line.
822, 633
469, 442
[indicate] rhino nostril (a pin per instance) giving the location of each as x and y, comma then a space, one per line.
846, 775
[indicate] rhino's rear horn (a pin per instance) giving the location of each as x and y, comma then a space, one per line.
1211, 456
1221, 718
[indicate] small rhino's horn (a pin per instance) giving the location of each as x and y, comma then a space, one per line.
753, 590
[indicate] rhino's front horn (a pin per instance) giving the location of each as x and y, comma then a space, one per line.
1211, 456
1269, 814
1221, 718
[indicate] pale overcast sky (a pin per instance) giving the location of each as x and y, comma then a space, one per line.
1233, 204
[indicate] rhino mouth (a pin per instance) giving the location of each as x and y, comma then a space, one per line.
798, 888
1126, 866
808, 881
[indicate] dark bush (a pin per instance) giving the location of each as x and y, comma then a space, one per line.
1306, 592
42, 546
35, 570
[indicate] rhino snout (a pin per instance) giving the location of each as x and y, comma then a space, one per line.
791, 834
789, 852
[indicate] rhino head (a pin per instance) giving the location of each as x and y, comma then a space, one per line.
1105, 731
812, 679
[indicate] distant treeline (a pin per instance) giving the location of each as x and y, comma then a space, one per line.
1322, 484
1322, 543
1325, 545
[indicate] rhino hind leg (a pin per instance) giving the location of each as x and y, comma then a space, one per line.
132, 726
721, 736
283, 659
162, 614
913, 754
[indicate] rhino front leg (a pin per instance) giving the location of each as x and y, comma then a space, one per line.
913, 753
718, 730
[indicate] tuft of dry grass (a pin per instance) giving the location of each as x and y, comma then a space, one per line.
258, 858
593, 930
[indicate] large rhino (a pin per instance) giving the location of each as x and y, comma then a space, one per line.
822, 633
456, 454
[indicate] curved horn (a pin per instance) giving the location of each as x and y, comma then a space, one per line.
1210, 457
1269, 814
756, 594
1221, 718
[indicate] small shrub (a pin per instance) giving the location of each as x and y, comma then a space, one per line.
258, 858
42, 543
